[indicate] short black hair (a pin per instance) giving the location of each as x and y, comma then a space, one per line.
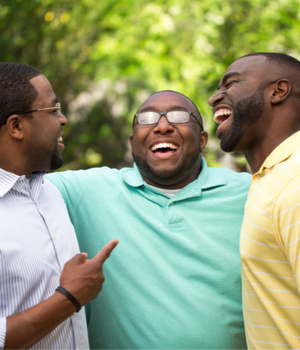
16, 92
280, 59
176, 92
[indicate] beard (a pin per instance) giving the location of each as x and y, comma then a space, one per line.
247, 112
56, 161
44, 160
167, 176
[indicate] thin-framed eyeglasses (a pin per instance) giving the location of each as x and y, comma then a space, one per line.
57, 108
173, 117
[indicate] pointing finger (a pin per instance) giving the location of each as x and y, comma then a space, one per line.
105, 252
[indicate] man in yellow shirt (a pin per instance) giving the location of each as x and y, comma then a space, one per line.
258, 109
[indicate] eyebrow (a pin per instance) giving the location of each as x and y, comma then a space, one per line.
226, 77
154, 109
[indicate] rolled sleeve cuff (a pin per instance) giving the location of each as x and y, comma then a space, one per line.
2, 331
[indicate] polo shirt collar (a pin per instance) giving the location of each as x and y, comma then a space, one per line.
205, 180
282, 152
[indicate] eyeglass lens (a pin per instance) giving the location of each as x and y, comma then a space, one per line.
58, 107
172, 117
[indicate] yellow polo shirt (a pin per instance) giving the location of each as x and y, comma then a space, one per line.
270, 251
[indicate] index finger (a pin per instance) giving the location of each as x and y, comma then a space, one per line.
105, 252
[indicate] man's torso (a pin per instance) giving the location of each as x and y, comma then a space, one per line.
175, 280
270, 253
37, 238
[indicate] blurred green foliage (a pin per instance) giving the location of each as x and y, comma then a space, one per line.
104, 58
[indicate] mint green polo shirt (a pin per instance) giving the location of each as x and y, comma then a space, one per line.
173, 282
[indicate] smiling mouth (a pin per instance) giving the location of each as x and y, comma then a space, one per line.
164, 149
221, 115
60, 139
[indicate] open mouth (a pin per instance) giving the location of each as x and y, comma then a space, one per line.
222, 115
164, 149
60, 139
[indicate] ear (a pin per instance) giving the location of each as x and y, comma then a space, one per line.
281, 90
203, 140
14, 126
130, 139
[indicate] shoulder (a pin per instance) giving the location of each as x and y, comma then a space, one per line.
283, 175
82, 176
231, 176
76, 182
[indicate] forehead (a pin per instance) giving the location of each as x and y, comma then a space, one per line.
165, 101
44, 89
250, 66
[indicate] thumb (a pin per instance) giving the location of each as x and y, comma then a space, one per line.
79, 259
105, 252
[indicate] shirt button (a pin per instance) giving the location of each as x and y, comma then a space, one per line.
172, 203
53, 236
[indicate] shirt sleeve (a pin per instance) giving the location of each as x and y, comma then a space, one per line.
287, 225
2, 331
71, 185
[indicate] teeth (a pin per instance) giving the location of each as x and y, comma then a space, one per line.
60, 139
163, 145
221, 112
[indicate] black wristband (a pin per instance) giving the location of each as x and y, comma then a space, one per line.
70, 297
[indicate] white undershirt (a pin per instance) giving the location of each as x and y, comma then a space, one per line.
167, 192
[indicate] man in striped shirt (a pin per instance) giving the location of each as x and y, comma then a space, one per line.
44, 280
257, 107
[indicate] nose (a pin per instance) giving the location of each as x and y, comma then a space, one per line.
217, 97
163, 125
62, 119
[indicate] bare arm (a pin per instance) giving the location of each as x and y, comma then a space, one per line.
81, 277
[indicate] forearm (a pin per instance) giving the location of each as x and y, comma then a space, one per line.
81, 277
30, 326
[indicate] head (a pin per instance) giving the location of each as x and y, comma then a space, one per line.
254, 98
30, 121
168, 154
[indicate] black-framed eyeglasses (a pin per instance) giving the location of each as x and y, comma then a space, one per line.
57, 108
173, 117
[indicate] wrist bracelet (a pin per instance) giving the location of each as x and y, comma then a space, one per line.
70, 297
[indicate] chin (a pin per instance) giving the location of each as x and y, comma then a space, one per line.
56, 162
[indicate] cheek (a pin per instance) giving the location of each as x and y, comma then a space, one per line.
191, 136
136, 145
139, 137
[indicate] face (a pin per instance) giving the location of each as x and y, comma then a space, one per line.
239, 104
168, 155
43, 144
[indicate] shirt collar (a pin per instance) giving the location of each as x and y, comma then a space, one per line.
281, 152
205, 180
9, 180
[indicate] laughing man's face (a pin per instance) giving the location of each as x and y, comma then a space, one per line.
168, 154
236, 108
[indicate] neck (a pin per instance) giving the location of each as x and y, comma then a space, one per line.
176, 182
257, 154
14, 163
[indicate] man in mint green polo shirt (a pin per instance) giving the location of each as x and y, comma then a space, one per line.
175, 282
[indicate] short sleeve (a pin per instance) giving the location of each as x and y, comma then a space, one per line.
71, 185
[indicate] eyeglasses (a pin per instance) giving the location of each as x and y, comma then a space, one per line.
57, 108
173, 117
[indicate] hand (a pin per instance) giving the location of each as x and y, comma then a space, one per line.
83, 278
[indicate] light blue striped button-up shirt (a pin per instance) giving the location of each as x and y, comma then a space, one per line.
36, 240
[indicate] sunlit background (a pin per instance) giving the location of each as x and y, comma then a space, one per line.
104, 58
